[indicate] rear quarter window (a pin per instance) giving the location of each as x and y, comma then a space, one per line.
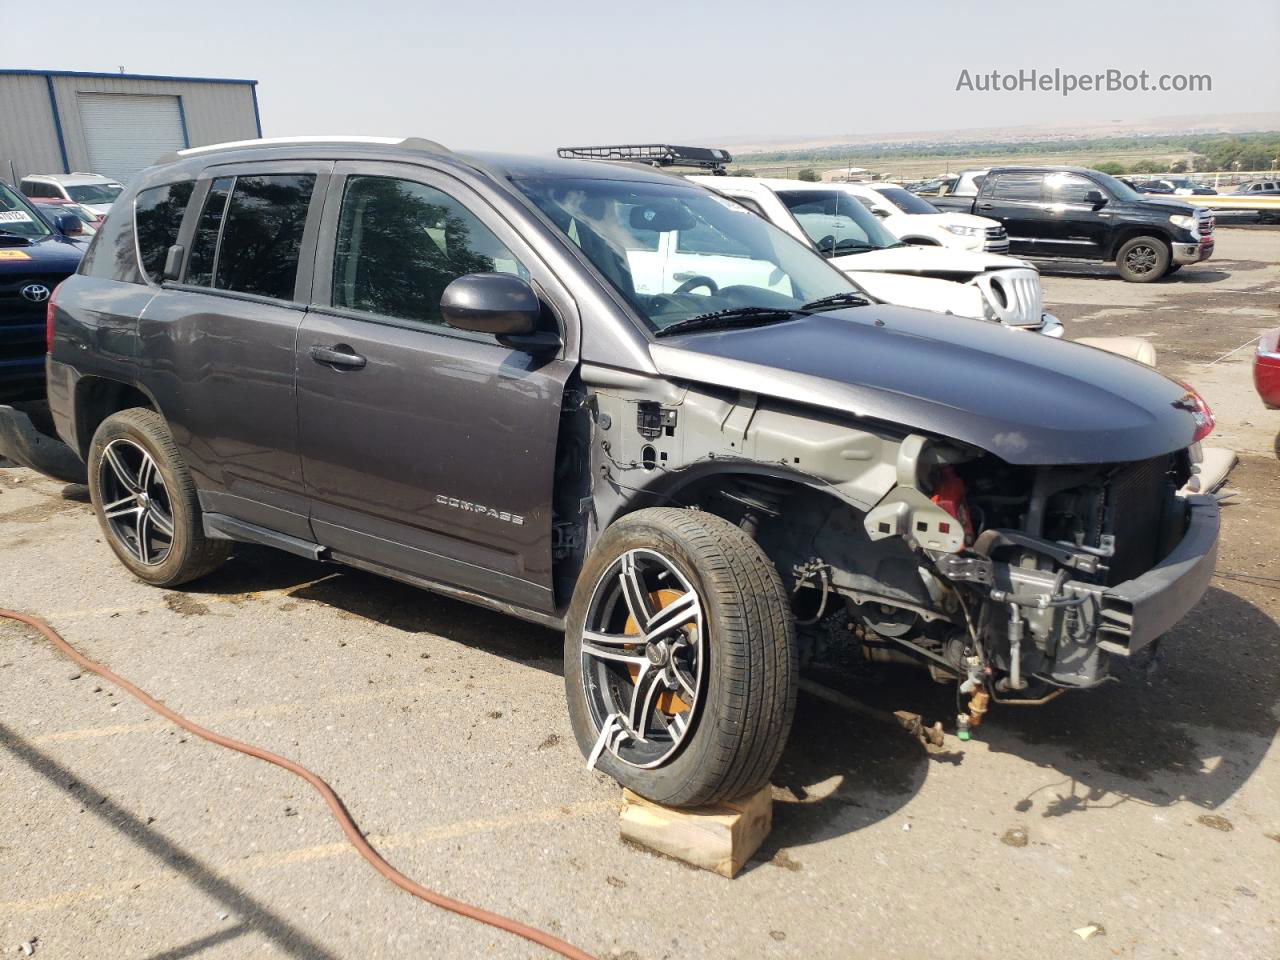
158, 213
113, 253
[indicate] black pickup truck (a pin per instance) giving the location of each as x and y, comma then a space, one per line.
1058, 213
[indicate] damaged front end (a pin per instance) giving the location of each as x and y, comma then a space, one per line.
1027, 581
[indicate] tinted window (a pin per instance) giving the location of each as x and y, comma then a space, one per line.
907, 202
95, 192
204, 246
262, 235
1017, 186
1067, 188
158, 215
401, 243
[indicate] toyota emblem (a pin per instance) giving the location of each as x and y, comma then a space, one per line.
35, 292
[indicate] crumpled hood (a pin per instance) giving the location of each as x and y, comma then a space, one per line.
1024, 398
913, 258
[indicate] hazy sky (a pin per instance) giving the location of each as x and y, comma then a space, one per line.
533, 74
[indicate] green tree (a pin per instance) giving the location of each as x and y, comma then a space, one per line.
1178, 166
1111, 167
809, 175
1145, 166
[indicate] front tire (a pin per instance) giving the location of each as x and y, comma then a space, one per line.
1143, 259
680, 658
145, 501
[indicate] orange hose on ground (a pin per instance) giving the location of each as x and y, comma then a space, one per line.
339, 812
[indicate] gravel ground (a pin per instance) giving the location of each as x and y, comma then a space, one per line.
1150, 809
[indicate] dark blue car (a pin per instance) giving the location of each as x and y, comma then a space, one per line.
36, 254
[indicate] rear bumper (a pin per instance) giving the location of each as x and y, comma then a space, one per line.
1134, 613
23, 444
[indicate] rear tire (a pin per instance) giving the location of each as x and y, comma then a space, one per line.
1143, 259
724, 663
145, 501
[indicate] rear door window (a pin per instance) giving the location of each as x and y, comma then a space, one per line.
1016, 186
158, 213
250, 234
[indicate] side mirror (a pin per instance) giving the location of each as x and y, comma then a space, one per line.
880, 212
69, 225
500, 304
1095, 199
173, 263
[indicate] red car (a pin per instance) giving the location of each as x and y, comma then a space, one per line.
52, 206
1266, 369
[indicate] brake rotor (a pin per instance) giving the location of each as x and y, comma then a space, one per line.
668, 701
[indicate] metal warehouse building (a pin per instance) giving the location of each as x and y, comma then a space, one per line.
114, 123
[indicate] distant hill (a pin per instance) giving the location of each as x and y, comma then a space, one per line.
1189, 125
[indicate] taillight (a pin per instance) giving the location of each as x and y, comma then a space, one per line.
48, 321
1195, 404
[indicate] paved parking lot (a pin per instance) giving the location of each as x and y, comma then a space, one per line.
1150, 809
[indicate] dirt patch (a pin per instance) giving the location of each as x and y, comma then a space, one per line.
184, 605
1015, 837
551, 741
39, 512
1215, 821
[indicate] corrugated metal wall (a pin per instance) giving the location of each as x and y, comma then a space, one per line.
27, 134
214, 112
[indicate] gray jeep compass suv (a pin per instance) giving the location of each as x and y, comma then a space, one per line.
478, 374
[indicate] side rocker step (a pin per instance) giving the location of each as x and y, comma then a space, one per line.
219, 526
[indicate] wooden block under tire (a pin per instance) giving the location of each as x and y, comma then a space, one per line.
719, 838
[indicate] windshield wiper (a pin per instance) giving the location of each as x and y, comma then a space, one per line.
10, 235
845, 246
732, 317
846, 299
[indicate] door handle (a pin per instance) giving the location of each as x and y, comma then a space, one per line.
338, 356
985, 206
683, 275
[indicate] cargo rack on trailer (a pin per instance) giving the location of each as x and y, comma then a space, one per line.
655, 155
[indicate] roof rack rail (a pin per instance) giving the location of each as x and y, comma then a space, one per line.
654, 154
408, 143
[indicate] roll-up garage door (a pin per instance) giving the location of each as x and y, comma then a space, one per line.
126, 132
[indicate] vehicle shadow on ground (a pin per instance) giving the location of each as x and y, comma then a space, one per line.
1193, 731
1193, 274
1144, 739
367, 596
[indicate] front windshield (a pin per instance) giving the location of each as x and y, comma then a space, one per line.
1118, 188
17, 218
836, 222
906, 202
676, 251
95, 192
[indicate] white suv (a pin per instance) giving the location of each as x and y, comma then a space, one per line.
90, 190
985, 286
913, 219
